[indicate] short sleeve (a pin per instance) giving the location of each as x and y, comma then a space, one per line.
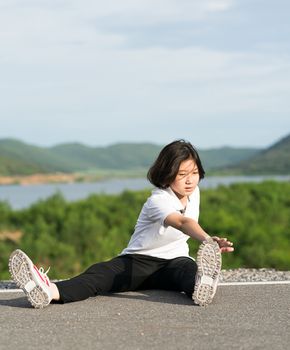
158, 207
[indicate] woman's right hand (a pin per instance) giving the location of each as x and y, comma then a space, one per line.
225, 245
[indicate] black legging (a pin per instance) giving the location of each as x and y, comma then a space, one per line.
128, 273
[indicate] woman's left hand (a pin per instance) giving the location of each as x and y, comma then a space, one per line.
225, 245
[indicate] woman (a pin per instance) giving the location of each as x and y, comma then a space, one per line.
157, 256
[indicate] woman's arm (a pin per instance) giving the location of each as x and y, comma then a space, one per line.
187, 225
192, 228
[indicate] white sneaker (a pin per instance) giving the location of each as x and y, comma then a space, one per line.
209, 262
33, 281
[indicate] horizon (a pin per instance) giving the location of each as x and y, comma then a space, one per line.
100, 73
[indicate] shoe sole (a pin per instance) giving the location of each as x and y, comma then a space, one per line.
20, 271
209, 263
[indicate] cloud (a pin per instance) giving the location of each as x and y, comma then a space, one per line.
151, 61
217, 6
150, 11
46, 23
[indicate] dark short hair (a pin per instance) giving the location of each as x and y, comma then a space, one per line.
165, 168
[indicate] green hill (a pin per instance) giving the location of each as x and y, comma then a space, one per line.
19, 158
118, 157
273, 160
225, 156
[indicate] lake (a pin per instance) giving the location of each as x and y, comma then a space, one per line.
22, 196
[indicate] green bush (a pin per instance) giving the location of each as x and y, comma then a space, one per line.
70, 236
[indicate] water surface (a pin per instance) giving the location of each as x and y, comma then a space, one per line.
22, 196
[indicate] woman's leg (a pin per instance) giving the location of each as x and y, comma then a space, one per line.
178, 274
114, 275
198, 280
100, 278
123, 273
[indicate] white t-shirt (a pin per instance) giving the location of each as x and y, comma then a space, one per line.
151, 236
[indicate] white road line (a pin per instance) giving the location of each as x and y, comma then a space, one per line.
257, 283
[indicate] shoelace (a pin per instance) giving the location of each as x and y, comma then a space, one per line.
44, 274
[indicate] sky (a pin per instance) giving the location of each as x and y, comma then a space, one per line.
214, 72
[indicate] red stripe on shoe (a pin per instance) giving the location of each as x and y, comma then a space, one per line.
45, 280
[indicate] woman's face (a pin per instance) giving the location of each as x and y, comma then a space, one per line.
186, 179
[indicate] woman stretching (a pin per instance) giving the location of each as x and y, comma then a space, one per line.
157, 256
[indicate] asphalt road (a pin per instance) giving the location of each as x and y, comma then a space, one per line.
240, 317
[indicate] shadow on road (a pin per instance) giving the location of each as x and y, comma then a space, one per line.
17, 302
157, 296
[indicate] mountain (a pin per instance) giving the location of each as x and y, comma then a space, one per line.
119, 156
273, 160
225, 156
19, 158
